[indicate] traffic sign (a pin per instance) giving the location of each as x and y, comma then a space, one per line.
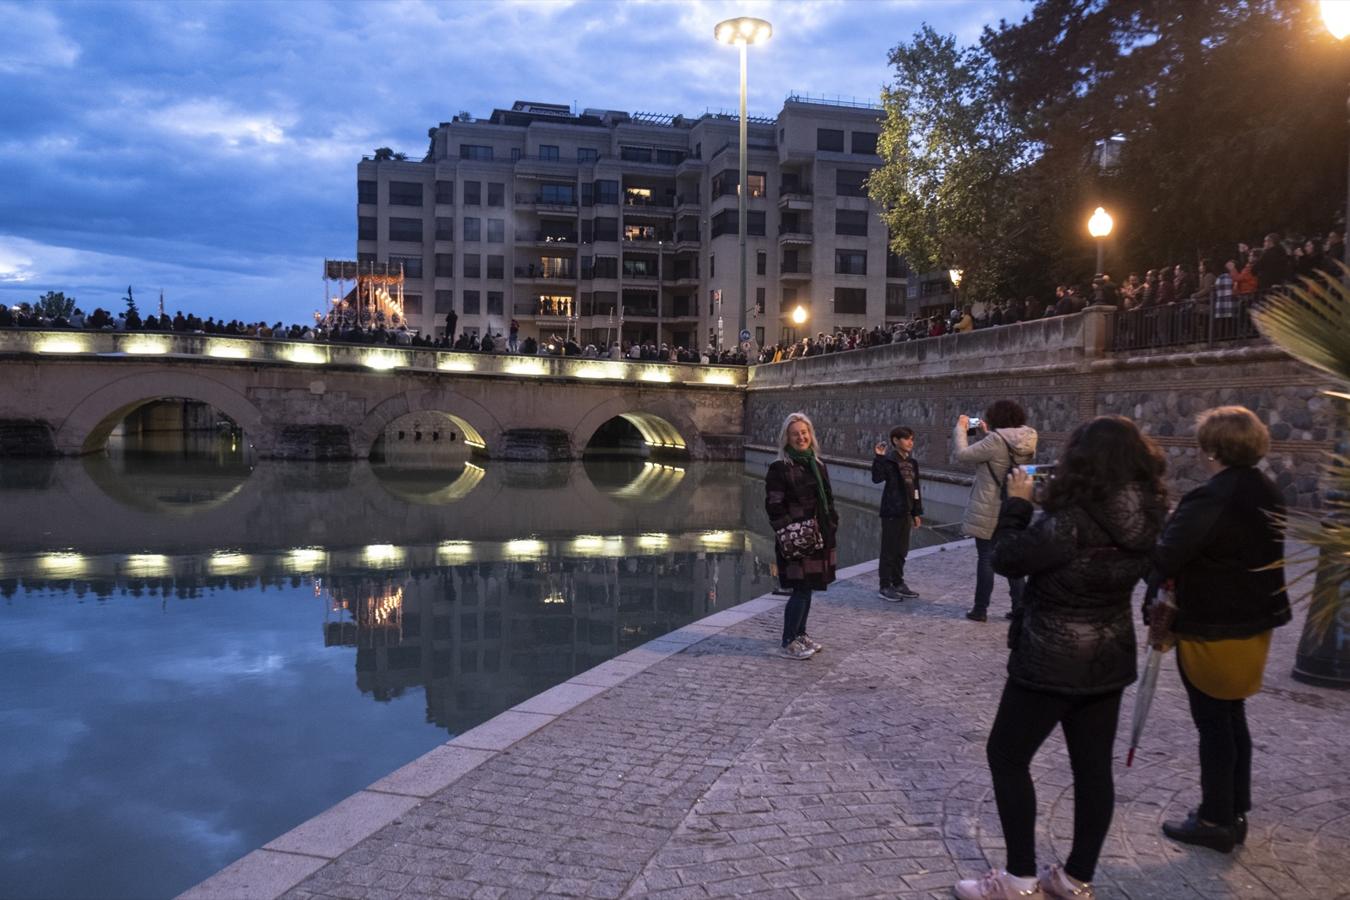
745, 335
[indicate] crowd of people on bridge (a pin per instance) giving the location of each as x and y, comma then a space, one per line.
1073, 547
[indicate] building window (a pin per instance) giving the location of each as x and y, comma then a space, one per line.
754, 223
728, 220
365, 192
473, 265
755, 181
895, 301
405, 230
558, 194
412, 304
830, 139
445, 192
365, 228
445, 301
724, 183
851, 182
635, 154
405, 193
587, 154
363, 259
864, 143
494, 303
475, 151
445, 228
850, 262
496, 193
473, 193
759, 301
607, 193
850, 301
515, 154
896, 267
445, 265
606, 229
470, 303
548, 152
587, 194
473, 228
670, 157
761, 262
605, 267
759, 336
712, 266
495, 265
496, 231
411, 265
850, 222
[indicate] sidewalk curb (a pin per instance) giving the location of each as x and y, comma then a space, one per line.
290, 858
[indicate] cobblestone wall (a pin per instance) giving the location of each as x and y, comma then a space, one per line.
1163, 393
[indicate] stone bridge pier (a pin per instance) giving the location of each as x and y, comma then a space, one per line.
66, 393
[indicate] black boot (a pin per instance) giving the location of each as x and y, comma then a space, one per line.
1196, 831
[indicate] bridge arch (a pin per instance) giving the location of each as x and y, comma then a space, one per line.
480, 428
87, 426
663, 425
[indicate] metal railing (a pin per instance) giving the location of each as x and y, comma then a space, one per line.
801, 267
659, 203
802, 230
540, 237
794, 190
1186, 323
539, 272
541, 200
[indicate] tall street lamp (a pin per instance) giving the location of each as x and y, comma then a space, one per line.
1099, 226
1336, 16
743, 32
955, 276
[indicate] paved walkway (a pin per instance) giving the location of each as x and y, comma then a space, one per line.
701, 765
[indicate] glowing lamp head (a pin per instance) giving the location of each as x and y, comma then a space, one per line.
955, 276
1099, 226
1336, 16
743, 30
798, 315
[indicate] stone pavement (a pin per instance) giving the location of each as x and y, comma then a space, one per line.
703, 766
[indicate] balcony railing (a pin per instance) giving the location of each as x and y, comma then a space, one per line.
798, 191
640, 274
794, 230
541, 237
661, 204
646, 238
1178, 324
566, 274
541, 200
800, 267
687, 237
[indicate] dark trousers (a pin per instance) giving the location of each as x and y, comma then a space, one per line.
984, 577
1225, 755
894, 549
1025, 719
795, 613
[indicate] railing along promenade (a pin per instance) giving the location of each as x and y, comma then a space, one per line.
69, 343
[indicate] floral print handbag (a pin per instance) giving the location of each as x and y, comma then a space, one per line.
799, 539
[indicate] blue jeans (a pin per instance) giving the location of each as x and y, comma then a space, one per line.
984, 578
795, 613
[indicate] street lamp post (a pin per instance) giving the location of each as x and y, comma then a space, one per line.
1336, 16
1099, 226
743, 32
955, 276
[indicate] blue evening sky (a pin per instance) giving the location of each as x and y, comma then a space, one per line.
209, 149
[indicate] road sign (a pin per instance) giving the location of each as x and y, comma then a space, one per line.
745, 335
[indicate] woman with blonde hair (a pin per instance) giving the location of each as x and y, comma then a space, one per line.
800, 504
1218, 548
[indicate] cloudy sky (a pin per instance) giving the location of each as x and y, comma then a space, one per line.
209, 149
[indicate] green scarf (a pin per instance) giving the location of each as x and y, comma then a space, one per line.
808, 459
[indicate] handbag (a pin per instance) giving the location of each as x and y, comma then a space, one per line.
799, 539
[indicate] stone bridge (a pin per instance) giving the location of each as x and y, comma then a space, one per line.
65, 392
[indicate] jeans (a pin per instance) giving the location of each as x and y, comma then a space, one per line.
894, 549
1025, 719
1225, 755
795, 613
984, 577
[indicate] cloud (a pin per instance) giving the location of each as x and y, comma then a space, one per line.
34, 40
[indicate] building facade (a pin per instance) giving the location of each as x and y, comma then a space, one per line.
612, 225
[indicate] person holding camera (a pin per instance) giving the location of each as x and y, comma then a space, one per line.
1221, 547
801, 509
1005, 441
1072, 642
901, 510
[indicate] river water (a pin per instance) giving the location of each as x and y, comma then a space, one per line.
197, 653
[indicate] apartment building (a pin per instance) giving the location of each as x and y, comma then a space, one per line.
610, 224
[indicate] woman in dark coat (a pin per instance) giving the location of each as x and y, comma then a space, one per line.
797, 490
1216, 545
1072, 640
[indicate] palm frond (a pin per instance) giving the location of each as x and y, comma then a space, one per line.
1311, 321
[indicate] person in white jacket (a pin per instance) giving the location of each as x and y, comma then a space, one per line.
1007, 442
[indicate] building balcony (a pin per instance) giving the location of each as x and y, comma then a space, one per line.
647, 209
544, 203
690, 165
639, 276
546, 239
798, 271
646, 239
794, 234
688, 205
795, 197
537, 273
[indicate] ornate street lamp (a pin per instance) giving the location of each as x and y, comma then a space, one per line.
742, 32
1336, 16
1099, 226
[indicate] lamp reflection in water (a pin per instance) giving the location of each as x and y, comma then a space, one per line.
225, 563
368, 615
63, 564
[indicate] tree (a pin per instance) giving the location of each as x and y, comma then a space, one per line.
946, 187
130, 301
54, 304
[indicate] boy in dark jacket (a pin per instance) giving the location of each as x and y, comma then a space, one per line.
901, 509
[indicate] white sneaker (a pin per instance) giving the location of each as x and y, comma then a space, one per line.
1060, 885
996, 885
811, 643
795, 650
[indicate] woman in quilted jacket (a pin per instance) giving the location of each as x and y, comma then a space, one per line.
798, 497
1072, 641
